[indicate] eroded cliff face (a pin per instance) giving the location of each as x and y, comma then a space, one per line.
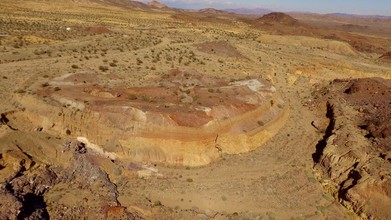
189, 119
41, 176
353, 159
81, 135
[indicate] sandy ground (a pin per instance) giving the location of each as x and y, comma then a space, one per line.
275, 181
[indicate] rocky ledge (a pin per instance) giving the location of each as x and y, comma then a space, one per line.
353, 159
187, 118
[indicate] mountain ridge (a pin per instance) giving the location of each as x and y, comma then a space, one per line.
248, 11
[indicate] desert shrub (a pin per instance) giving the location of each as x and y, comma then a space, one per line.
103, 68
20, 91
271, 215
261, 123
74, 66
117, 171
132, 97
56, 198
157, 203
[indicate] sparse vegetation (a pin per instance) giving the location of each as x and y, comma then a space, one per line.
152, 85
103, 68
132, 97
20, 91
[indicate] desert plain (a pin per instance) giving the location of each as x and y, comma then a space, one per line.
126, 110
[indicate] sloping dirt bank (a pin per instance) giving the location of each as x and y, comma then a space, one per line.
353, 159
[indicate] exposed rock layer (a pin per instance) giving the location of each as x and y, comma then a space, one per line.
190, 119
38, 178
353, 158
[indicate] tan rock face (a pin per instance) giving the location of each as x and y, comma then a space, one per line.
352, 157
189, 119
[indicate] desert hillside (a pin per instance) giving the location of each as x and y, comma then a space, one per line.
120, 109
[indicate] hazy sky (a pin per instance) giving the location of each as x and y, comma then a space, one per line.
369, 7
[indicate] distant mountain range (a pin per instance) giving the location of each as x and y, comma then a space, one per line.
247, 11
263, 11
156, 5
345, 15
211, 11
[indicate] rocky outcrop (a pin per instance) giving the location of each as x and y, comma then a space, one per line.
10, 207
22, 187
190, 119
70, 183
85, 175
352, 163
